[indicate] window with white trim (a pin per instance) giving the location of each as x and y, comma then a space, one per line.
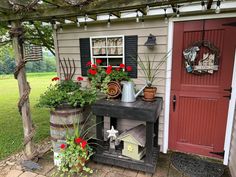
110, 49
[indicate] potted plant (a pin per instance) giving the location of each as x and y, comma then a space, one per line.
69, 104
107, 80
151, 69
75, 153
66, 93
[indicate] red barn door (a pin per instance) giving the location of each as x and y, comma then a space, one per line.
198, 107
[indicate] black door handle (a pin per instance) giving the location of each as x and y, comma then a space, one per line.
174, 103
228, 96
228, 90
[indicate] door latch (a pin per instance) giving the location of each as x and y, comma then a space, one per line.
174, 103
230, 91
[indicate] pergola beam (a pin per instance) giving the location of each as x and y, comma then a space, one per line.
209, 4
92, 8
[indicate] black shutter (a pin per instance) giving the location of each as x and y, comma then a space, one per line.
131, 54
84, 54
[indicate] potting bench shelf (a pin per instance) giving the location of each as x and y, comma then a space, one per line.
140, 110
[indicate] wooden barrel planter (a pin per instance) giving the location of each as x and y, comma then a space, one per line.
62, 123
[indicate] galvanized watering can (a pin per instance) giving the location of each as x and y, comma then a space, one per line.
128, 93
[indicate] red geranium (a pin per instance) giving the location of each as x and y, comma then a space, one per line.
94, 66
129, 68
80, 78
78, 140
92, 72
55, 79
63, 146
117, 69
122, 65
88, 63
83, 144
108, 71
109, 67
98, 61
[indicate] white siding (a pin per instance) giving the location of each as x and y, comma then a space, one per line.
67, 46
232, 159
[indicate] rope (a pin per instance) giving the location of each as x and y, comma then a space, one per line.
24, 98
30, 136
20, 65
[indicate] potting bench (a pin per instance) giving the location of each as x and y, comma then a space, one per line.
140, 110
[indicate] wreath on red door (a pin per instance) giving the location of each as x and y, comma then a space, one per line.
209, 61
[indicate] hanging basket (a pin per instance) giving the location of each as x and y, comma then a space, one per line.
114, 89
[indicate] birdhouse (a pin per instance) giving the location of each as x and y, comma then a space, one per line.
134, 142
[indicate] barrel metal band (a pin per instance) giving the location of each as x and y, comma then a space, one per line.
65, 113
62, 126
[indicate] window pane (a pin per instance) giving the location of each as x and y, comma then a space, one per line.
115, 61
104, 62
115, 51
99, 51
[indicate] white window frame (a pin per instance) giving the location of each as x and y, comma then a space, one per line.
106, 37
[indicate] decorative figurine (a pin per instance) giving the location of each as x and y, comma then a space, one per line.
113, 139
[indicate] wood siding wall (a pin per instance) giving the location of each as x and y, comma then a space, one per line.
67, 46
232, 159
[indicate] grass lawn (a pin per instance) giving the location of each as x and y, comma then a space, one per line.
11, 131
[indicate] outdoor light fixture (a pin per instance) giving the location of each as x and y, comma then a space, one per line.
166, 18
85, 22
142, 21
137, 17
217, 11
151, 41
109, 21
177, 12
54, 25
78, 23
61, 28
147, 8
203, 4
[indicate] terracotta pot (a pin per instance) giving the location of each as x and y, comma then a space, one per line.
149, 93
82, 160
114, 89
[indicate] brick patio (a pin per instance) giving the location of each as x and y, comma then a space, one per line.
164, 169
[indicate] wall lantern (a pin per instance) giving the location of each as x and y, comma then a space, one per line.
151, 41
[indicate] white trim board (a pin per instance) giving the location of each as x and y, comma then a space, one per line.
230, 118
232, 103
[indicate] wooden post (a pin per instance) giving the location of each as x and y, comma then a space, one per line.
23, 86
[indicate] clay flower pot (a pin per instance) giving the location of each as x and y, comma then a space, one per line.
114, 89
149, 93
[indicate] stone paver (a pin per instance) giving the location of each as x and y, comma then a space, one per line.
14, 173
164, 169
142, 174
115, 174
130, 173
28, 174
99, 173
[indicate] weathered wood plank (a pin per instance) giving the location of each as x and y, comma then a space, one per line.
22, 84
141, 32
101, 6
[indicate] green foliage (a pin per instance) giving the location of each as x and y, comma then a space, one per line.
35, 33
100, 76
74, 157
7, 63
66, 92
119, 75
76, 151
150, 67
